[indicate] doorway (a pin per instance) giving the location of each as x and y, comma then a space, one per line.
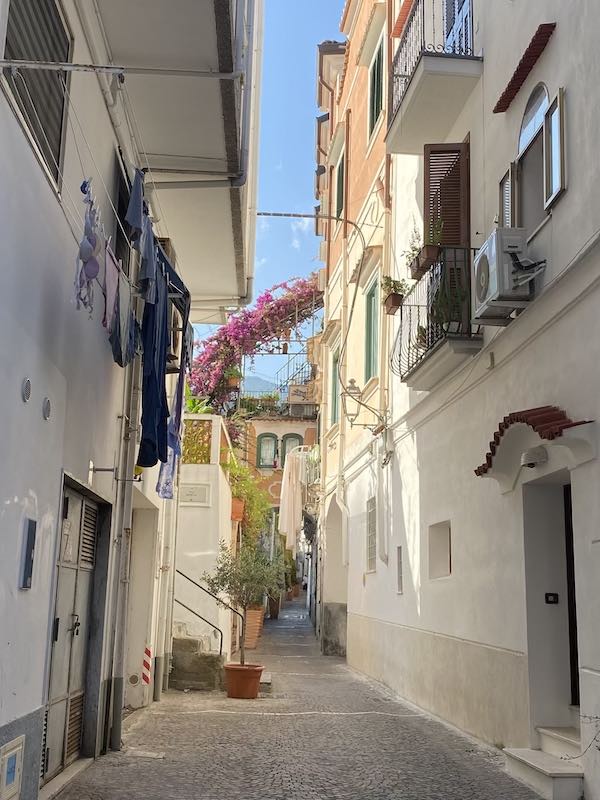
70, 633
552, 651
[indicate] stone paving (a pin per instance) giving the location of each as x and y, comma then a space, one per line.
324, 733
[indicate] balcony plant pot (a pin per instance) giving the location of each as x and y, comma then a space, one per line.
416, 269
296, 590
243, 680
233, 384
237, 509
254, 625
274, 606
428, 256
393, 302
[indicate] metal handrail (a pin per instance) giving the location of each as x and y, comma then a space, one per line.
215, 596
208, 622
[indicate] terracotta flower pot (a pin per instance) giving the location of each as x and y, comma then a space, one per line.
233, 384
254, 625
393, 302
243, 681
237, 509
296, 590
289, 594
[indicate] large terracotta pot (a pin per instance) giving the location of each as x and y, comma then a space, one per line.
255, 618
237, 509
243, 682
296, 590
289, 594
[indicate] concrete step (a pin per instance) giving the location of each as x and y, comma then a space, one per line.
553, 778
560, 741
266, 683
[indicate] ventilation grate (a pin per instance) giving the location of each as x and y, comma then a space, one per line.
26, 390
75, 727
44, 761
88, 534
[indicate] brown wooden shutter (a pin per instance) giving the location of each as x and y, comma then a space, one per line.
446, 198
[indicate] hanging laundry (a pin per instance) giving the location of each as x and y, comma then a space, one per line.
123, 335
112, 271
135, 210
155, 410
89, 257
147, 273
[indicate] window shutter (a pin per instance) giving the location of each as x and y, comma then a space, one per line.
507, 198
89, 533
446, 197
36, 32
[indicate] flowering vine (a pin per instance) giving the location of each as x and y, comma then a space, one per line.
283, 307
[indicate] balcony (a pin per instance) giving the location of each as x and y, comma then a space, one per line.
436, 334
433, 73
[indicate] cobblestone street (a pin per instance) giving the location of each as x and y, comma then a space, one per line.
323, 733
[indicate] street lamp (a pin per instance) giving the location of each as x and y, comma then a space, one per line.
351, 401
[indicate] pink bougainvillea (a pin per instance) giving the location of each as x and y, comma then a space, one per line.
283, 307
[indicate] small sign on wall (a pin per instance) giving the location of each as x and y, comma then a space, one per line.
194, 494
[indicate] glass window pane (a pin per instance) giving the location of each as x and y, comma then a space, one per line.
267, 451
554, 151
533, 118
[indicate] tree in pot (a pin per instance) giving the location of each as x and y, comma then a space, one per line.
245, 577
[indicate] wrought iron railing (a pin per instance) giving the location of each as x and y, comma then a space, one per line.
437, 308
440, 27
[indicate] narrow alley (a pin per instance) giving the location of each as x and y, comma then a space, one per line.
323, 732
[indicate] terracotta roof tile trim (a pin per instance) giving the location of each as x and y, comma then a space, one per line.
548, 422
534, 50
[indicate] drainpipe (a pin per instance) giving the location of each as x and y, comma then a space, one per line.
126, 469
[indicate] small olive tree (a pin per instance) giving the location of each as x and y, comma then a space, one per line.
245, 577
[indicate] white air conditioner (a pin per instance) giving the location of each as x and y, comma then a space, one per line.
502, 274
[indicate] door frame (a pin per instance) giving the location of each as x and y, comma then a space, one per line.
96, 682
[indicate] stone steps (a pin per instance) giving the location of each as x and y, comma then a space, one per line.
560, 742
552, 777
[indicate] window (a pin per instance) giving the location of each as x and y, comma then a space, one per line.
266, 451
339, 182
554, 158
372, 332
533, 118
440, 559
376, 89
290, 440
36, 32
371, 535
400, 584
335, 388
540, 166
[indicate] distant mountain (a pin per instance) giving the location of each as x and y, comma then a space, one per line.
255, 384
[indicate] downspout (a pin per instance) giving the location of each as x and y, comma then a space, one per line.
340, 490
126, 469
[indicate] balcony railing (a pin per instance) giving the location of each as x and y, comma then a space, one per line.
437, 309
436, 27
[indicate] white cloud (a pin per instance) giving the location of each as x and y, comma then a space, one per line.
260, 262
300, 227
296, 243
263, 225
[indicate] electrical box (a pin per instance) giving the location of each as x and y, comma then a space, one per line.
11, 769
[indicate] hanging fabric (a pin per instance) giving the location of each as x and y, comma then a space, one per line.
87, 263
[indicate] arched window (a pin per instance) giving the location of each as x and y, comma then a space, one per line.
533, 118
266, 450
290, 440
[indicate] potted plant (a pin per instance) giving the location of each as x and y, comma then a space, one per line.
237, 509
256, 501
413, 252
393, 292
274, 600
233, 377
430, 252
244, 577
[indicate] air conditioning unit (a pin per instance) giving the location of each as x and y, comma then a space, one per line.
498, 288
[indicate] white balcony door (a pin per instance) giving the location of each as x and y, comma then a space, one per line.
458, 26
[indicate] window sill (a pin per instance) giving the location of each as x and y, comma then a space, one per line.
371, 572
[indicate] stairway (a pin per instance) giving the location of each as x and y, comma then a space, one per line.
554, 771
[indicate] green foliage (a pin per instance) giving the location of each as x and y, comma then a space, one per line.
244, 578
391, 286
257, 503
435, 233
415, 244
232, 372
196, 405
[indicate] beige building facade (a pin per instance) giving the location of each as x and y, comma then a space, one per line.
458, 534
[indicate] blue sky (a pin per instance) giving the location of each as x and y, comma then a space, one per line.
287, 154
284, 248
